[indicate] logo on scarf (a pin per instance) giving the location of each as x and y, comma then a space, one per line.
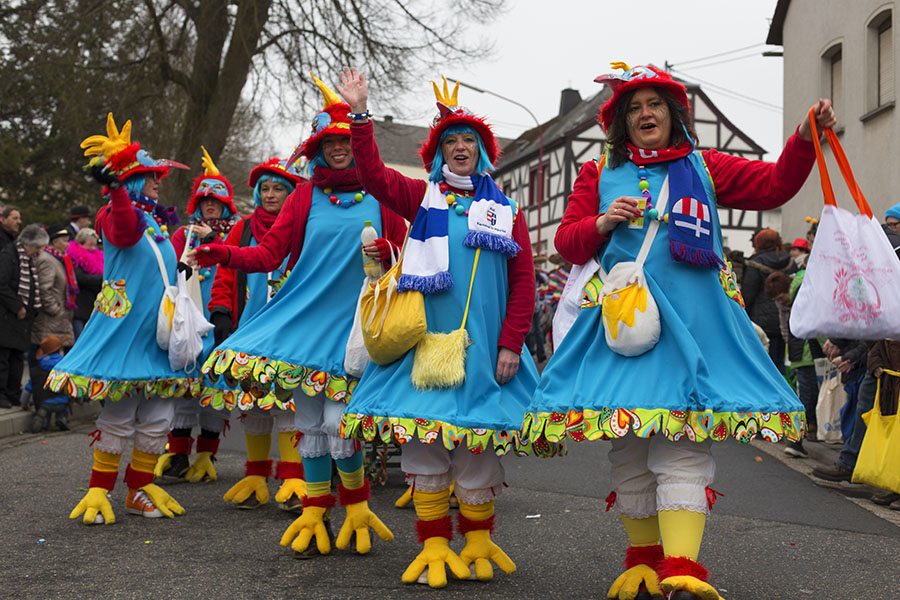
691, 215
492, 216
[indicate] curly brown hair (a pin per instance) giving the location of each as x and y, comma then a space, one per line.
618, 131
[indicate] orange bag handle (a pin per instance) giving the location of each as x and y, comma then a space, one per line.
843, 164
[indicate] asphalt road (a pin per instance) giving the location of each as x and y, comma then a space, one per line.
773, 535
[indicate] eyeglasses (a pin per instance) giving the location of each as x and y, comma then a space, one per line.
892, 224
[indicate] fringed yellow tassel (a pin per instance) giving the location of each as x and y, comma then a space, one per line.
440, 360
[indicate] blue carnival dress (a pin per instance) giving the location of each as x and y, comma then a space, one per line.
117, 354
707, 377
480, 414
300, 337
221, 393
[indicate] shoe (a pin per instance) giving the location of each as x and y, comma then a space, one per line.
178, 467
4, 403
834, 473
37, 421
885, 498
312, 551
138, 503
796, 450
250, 503
62, 425
293, 504
895, 505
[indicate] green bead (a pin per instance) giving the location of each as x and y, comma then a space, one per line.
358, 197
652, 213
459, 209
644, 185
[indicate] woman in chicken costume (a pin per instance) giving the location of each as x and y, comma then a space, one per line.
468, 245
212, 214
319, 228
117, 358
707, 377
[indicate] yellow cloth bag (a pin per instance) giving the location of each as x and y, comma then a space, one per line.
392, 322
878, 463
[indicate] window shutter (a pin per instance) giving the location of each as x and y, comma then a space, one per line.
885, 65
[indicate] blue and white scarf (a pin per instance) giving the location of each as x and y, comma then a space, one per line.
426, 263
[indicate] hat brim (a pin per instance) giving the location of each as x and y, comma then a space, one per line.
607, 112
260, 170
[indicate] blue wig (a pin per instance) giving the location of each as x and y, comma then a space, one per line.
198, 213
483, 166
135, 186
257, 199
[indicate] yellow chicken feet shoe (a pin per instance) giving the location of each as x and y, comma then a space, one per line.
203, 468
404, 500
312, 523
684, 579
95, 506
359, 519
639, 581
293, 487
160, 499
429, 566
253, 490
480, 549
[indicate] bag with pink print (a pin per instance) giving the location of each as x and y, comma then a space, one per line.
852, 284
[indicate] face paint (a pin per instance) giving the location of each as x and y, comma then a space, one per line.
213, 187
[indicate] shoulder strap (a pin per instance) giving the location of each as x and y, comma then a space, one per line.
663, 199
159, 260
241, 276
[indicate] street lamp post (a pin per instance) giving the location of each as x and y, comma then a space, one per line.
540, 146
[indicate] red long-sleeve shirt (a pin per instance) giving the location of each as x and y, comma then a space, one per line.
740, 183
118, 222
403, 195
179, 238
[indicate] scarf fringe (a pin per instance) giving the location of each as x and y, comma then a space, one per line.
695, 256
427, 284
492, 241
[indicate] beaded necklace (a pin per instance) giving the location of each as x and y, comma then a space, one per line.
148, 207
348, 200
453, 200
206, 272
644, 186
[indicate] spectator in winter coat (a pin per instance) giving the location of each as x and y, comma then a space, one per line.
56, 279
767, 258
87, 260
10, 219
20, 300
82, 217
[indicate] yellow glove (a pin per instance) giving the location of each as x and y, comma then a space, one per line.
627, 585
481, 550
162, 463
404, 500
292, 486
166, 504
93, 502
251, 484
434, 555
359, 519
310, 523
203, 467
699, 588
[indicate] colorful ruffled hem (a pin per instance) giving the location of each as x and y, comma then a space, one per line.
588, 425
428, 431
79, 386
271, 381
231, 399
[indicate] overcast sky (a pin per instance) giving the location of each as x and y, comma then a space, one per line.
543, 47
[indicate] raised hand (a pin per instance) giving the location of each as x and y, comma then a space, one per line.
354, 89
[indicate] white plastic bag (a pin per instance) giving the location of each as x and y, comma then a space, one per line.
828, 406
569, 304
852, 284
189, 327
164, 316
356, 357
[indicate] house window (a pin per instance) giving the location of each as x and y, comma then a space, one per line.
885, 63
507, 188
537, 192
837, 80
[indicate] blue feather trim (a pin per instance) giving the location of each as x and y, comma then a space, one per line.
695, 256
427, 284
492, 241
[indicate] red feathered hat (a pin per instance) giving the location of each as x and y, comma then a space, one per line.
635, 78
333, 120
449, 114
211, 184
274, 166
116, 152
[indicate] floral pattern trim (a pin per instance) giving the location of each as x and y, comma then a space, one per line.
231, 399
79, 386
263, 378
112, 300
588, 425
428, 431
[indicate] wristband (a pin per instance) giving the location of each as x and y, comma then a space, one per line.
359, 116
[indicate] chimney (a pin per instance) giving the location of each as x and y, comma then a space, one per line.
568, 100
388, 118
